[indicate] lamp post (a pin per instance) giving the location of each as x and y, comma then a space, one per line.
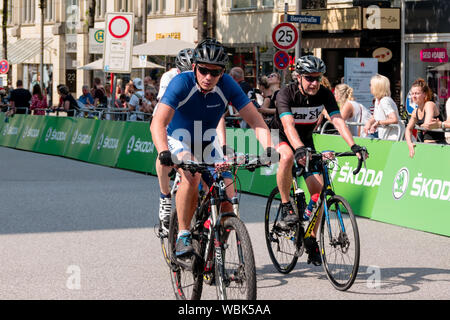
42, 6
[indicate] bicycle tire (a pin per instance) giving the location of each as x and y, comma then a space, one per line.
283, 246
187, 283
165, 248
341, 253
238, 280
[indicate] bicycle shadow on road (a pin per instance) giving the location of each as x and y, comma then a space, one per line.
370, 281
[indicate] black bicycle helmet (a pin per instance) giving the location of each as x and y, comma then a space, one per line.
310, 64
210, 51
183, 61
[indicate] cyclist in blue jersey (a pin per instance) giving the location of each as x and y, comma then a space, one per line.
184, 127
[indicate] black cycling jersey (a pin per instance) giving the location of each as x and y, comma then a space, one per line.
305, 110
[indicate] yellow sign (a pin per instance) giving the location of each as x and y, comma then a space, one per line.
174, 35
334, 19
381, 18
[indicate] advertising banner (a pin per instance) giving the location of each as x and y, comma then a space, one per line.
360, 190
11, 131
55, 135
82, 139
416, 192
138, 151
31, 133
108, 143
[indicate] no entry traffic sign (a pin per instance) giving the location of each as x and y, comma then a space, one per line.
284, 36
281, 60
118, 46
119, 26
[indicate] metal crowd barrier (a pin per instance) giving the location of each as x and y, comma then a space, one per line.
401, 131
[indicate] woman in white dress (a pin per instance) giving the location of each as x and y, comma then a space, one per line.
351, 110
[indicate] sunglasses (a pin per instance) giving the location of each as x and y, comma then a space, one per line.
271, 75
213, 72
312, 79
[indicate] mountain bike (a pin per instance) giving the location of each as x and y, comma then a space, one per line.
223, 253
339, 236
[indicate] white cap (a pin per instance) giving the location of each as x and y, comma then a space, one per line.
137, 82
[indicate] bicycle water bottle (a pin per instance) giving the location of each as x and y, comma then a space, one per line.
310, 206
300, 199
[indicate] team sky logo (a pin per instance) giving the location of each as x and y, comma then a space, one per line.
307, 115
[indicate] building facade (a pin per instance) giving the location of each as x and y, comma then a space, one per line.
347, 29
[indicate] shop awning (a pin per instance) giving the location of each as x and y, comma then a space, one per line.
25, 49
332, 43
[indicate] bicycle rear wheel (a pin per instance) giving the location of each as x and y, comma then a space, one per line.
238, 280
339, 242
186, 274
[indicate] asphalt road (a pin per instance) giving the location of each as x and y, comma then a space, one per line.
73, 230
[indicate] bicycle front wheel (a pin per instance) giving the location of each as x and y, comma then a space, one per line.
236, 273
339, 242
282, 244
186, 275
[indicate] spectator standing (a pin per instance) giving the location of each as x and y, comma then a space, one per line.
385, 112
423, 115
237, 73
149, 99
99, 94
86, 98
136, 100
38, 101
20, 99
69, 103
351, 110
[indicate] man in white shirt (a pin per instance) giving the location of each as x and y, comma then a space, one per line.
136, 99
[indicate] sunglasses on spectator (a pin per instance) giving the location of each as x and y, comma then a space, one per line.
272, 75
312, 78
213, 72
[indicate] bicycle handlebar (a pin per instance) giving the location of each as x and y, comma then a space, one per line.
310, 154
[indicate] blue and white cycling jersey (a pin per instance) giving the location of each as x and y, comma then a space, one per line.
194, 108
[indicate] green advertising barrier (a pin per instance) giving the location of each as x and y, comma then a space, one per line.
2, 120
11, 131
108, 143
82, 138
32, 130
138, 151
56, 135
360, 190
416, 192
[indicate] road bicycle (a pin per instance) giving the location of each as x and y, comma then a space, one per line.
339, 236
223, 253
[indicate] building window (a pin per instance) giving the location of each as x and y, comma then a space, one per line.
10, 12
49, 13
28, 11
181, 6
100, 8
125, 5
244, 4
267, 3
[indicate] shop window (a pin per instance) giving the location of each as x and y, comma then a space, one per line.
49, 13
444, 87
267, 3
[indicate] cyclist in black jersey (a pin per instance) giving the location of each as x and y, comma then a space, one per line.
298, 107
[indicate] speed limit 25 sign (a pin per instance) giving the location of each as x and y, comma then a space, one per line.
284, 36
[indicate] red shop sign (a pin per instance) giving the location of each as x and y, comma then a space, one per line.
434, 55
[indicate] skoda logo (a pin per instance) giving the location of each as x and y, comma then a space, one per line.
130, 144
100, 142
401, 181
75, 136
49, 134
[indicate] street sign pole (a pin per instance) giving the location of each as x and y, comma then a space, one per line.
298, 46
